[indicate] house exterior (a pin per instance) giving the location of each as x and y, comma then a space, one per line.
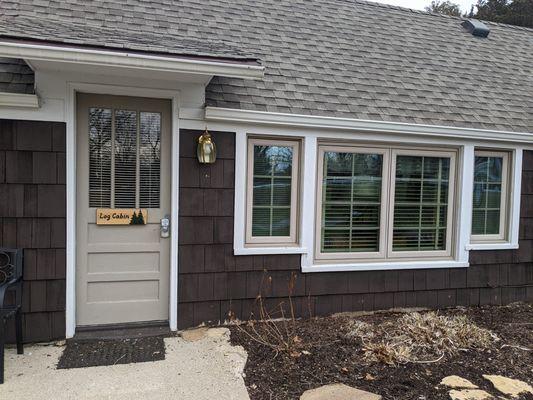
367, 157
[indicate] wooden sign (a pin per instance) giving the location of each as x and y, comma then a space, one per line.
118, 216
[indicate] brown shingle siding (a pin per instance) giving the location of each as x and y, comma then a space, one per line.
214, 281
32, 216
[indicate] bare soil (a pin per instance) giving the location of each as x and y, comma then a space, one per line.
329, 356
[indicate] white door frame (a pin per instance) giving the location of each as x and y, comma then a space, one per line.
70, 112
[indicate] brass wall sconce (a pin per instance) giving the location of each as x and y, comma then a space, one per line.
206, 151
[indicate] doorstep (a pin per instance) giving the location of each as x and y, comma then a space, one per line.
122, 331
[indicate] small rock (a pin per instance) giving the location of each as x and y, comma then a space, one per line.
338, 391
456, 382
469, 394
508, 386
60, 343
218, 333
193, 335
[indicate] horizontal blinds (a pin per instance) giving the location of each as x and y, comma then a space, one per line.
351, 202
488, 175
272, 187
149, 159
420, 203
100, 150
124, 158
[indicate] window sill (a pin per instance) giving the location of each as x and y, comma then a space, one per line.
257, 251
384, 266
492, 246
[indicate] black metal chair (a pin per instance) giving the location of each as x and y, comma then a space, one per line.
11, 261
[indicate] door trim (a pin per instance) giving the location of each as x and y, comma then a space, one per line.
71, 148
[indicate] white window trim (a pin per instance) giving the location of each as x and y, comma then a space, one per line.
511, 241
274, 241
386, 253
309, 158
504, 210
240, 245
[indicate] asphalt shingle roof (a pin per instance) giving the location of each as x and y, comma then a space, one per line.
15, 76
341, 58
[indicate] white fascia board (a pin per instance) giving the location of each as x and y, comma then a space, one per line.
334, 123
129, 60
18, 100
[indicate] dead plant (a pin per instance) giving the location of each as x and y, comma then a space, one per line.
418, 337
273, 327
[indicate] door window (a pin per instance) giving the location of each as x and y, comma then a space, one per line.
124, 158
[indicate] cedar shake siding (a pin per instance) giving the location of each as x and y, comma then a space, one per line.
32, 216
212, 281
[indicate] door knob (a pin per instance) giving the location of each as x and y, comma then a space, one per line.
165, 226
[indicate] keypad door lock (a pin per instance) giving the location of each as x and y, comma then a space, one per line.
165, 226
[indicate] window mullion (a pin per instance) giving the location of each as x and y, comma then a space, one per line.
137, 161
113, 128
351, 203
439, 202
420, 203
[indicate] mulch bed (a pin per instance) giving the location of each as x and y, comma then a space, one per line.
94, 353
333, 358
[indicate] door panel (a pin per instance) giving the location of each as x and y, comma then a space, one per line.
123, 161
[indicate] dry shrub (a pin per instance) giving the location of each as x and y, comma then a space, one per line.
418, 337
273, 327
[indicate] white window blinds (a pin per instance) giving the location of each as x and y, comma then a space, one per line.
124, 158
421, 203
351, 202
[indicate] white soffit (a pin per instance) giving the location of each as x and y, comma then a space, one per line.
115, 61
348, 124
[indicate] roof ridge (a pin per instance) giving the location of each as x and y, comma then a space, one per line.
424, 12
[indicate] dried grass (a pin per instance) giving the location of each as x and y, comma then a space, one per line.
418, 337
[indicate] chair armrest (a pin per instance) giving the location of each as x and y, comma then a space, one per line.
3, 290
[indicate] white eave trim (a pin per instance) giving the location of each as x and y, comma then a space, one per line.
106, 58
333, 123
18, 100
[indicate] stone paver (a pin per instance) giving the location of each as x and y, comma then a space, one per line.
193, 335
470, 394
456, 382
508, 386
338, 391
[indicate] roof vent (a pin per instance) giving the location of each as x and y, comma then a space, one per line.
476, 28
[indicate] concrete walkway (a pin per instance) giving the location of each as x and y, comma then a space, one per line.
209, 368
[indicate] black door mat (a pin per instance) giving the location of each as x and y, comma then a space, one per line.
94, 353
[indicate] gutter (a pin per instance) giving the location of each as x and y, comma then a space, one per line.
350, 124
106, 58
19, 100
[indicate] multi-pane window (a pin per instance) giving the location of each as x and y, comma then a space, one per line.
490, 196
351, 206
384, 203
124, 158
420, 203
272, 192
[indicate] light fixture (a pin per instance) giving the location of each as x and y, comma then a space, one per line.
206, 151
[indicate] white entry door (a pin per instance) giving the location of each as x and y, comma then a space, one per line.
123, 162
